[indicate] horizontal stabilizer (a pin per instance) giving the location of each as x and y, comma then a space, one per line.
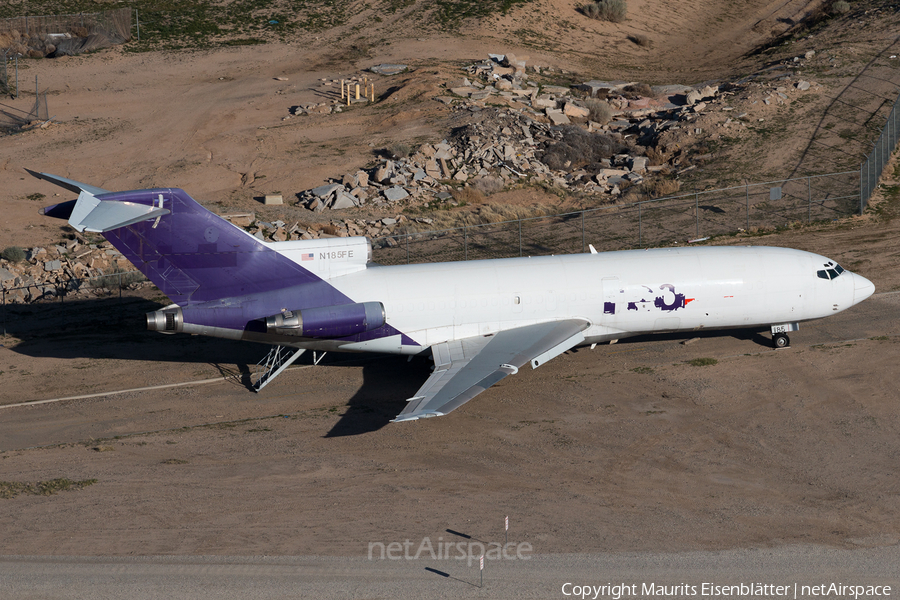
92, 214
69, 184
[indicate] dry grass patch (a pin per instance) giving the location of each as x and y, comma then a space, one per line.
11, 489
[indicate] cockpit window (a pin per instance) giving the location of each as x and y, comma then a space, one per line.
831, 271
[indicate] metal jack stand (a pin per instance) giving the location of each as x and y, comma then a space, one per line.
277, 360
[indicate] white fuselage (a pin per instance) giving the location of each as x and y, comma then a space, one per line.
621, 294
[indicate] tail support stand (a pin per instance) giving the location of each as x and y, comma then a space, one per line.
277, 360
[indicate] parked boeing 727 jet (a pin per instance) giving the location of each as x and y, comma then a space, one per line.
482, 320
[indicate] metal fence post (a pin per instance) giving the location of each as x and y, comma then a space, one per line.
809, 198
583, 246
861, 202
4, 312
466, 241
520, 238
697, 212
747, 191
640, 225
407, 245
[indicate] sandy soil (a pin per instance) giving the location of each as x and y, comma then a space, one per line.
623, 448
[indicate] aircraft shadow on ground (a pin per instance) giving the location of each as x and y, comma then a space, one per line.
387, 383
757, 336
116, 329
113, 329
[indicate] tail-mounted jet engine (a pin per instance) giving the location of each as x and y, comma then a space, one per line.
318, 322
328, 321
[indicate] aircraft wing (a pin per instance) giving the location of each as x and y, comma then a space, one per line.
465, 368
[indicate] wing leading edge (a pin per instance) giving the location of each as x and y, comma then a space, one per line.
465, 368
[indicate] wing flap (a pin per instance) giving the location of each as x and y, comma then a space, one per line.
465, 368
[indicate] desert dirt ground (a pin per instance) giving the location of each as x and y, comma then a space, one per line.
626, 447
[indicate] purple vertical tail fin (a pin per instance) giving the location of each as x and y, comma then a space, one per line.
192, 255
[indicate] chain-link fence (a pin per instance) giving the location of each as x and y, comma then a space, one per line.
764, 206
117, 21
7, 82
54, 35
120, 284
870, 171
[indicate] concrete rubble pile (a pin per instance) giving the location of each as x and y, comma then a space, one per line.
76, 268
511, 121
507, 124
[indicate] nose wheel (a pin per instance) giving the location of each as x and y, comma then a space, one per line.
781, 340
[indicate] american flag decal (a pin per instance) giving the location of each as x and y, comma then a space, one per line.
306, 256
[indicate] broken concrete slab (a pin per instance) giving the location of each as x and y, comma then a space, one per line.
557, 117
323, 191
395, 194
343, 200
388, 69
578, 112
638, 164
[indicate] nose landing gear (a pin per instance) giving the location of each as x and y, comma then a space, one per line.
780, 337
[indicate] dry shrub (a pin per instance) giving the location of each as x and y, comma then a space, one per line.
579, 149
638, 89
13, 254
655, 156
468, 195
613, 11
840, 7
488, 185
601, 112
632, 196
485, 213
399, 150
497, 213
326, 228
660, 188
641, 40
8, 38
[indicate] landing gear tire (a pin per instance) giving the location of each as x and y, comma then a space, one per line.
781, 340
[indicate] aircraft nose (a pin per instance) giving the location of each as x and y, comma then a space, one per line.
862, 288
